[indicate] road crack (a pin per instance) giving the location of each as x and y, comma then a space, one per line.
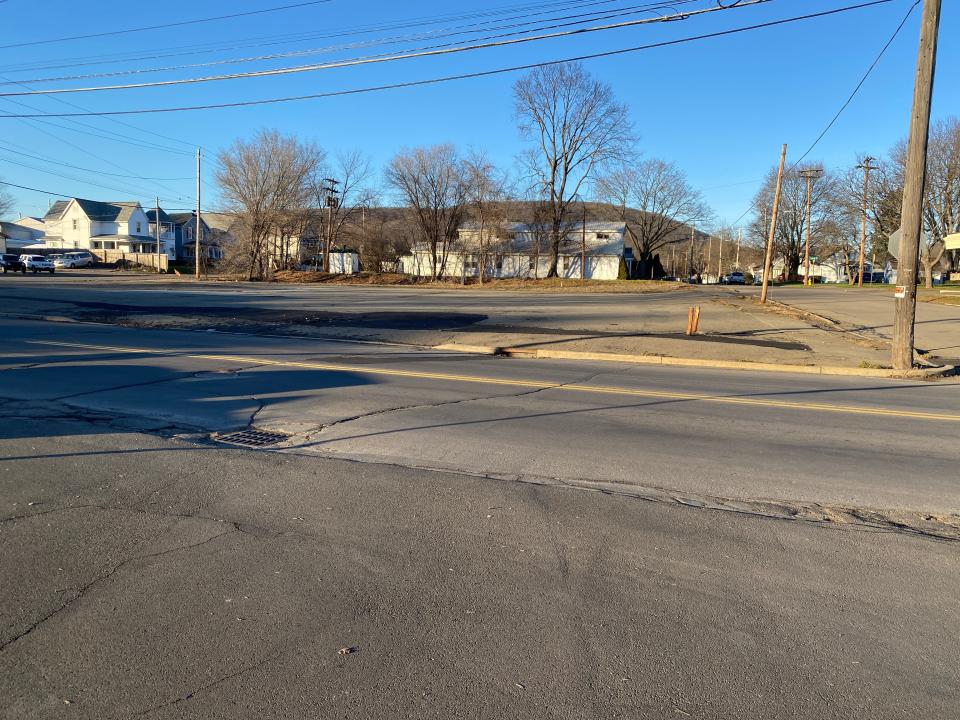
77, 594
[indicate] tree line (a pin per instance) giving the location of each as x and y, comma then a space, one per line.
837, 207
580, 148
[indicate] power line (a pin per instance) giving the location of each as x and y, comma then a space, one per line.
395, 57
42, 158
846, 104
179, 23
576, 18
465, 76
856, 90
288, 38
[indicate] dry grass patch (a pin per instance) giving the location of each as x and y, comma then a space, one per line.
543, 285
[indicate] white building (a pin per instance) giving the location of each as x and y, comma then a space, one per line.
103, 228
519, 250
18, 235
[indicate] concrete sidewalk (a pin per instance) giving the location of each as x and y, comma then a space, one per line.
870, 311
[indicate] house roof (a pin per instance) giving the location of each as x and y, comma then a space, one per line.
181, 218
152, 212
125, 238
120, 211
220, 221
56, 210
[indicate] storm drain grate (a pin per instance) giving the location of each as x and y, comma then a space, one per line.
253, 438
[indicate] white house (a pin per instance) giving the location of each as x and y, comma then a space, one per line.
520, 250
831, 269
79, 224
17, 235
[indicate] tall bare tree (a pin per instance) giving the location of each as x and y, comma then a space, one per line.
790, 235
263, 180
666, 204
433, 183
576, 127
486, 193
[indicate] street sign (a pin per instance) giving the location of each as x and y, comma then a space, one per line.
900, 292
952, 241
893, 244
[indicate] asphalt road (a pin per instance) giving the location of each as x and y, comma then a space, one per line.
394, 307
937, 328
848, 441
763, 546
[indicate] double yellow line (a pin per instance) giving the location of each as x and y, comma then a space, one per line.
531, 384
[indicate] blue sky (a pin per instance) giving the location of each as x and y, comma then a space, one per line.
720, 108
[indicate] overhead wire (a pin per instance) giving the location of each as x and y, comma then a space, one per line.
483, 45
290, 38
577, 18
178, 23
847, 102
477, 74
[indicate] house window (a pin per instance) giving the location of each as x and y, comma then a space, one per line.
603, 236
75, 224
138, 227
189, 233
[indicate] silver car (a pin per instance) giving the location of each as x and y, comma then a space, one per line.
74, 260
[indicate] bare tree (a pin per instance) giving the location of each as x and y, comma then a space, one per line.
666, 203
352, 170
941, 209
432, 182
485, 203
790, 234
6, 202
263, 180
576, 127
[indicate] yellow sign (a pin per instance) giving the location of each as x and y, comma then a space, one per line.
952, 241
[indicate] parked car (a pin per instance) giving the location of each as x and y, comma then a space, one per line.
12, 263
735, 278
74, 260
37, 263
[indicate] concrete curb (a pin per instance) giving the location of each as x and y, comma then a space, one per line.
541, 354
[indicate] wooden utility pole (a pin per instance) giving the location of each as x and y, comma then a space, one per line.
706, 269
720, 261
810, 176
905, 299
330, 190
768, 257
196, 239
693, 233
159, 269
739, 240
583, 245
866, 167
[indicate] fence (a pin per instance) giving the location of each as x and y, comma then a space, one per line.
111, 257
